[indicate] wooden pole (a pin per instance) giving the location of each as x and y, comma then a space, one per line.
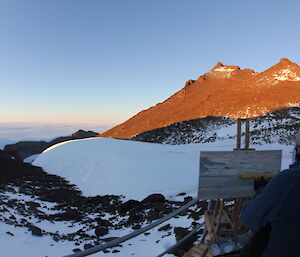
238, 134
247, 135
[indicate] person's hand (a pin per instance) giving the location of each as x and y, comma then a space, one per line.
260, 183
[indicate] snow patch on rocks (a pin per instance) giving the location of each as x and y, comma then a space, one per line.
286, 75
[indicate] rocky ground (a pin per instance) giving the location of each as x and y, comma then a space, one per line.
47, 205
278, 126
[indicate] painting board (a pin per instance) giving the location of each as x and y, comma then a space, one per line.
219, 171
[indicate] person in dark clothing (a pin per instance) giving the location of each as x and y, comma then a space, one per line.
275, 210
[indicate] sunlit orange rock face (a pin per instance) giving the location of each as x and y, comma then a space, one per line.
223, 91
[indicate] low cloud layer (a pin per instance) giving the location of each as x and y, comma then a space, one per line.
14, 132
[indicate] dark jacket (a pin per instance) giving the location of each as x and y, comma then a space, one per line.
279, 205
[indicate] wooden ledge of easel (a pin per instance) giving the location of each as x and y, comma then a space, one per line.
254, 176
225, 193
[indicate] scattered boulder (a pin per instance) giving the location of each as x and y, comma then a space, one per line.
102, 222
36, 231
189, 82
127, 206
154, 198
165, 228
56, 238
184, 246
87, 246
136, 227
180, 233
159, 206
101, 231
135, 218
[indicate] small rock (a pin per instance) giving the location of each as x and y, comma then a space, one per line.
180, 232
76, 250
127, 206
56, 238
165, 227
115, 251
87, 246
154, 198
102, 222
135, 218
136, 227
101, 231
12, 217
9, 233
187, 199
36, 231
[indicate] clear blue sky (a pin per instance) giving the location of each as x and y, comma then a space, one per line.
103, 61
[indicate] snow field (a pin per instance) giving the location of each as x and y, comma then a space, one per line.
101, 166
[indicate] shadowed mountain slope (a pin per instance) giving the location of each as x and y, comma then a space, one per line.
279, 126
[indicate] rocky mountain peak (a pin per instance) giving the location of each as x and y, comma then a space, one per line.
224, 91
221, 71
284, 70
218, 65
285, 61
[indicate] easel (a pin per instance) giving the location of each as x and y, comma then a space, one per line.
223, 216
221, 220
226, 181
218, 220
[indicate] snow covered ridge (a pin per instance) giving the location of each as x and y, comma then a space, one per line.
102, 166
286, 74
222, 71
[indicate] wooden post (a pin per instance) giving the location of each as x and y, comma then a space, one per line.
238, 134
247, 135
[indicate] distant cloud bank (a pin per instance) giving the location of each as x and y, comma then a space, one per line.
11, 132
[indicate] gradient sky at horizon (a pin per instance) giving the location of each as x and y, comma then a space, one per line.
102, 61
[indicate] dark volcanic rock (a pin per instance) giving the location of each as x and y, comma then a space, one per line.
135, 218
165, 228
24, 149
12, 169
127, 206
102, 222
154, 198
87, 246
84, 134
36, 231
278, 126
185, 245
101, 231
70, 205
180, 232
136, 227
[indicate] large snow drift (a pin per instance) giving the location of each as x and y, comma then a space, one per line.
101, 166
